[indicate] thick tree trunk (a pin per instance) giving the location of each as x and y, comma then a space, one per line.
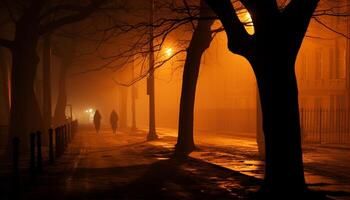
281, 31
47, 107
185, 142
200, 41
4, 101
60, 109
279, 102
67, 58
123, 111
25, 112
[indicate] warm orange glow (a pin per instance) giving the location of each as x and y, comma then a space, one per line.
90, 112
245, 17
169, 51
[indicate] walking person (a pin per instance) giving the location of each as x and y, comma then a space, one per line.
97, 120
114, 121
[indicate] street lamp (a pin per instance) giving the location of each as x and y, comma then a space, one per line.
90, 112
169, 52
150, 80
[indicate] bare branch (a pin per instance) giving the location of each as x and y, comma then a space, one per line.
296, 8
189, 12
297, 15
261, 7
239, 41
58, 8
330, 28
144, 75
82, 14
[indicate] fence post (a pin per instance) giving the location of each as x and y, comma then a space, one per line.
68, 134
320, 125
72, 128
67, 129
70, 131
56, 142
61, 140
32, 153
39, 152
15, 155
65, 136
51, 154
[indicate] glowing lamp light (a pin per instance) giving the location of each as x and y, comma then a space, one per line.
90, 114
89, 110
169, 52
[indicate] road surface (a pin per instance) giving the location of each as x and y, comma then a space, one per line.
125, 166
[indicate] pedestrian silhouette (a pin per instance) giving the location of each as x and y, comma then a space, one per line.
114, 121
97, 120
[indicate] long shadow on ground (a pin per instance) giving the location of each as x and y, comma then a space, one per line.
164, 179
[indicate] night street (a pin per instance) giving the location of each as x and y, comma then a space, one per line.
175, 99
125, 166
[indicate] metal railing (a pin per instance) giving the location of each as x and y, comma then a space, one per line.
320, 125
59, 138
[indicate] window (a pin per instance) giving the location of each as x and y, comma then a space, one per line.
301, 66
337, 63
318, 65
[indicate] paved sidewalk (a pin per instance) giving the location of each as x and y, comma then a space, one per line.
327, 167
124, 166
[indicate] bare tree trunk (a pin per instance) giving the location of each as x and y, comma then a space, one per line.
279, 102
123, 95
47, 109
67, 58
272, 52
25, 112
200, 41
5, 102
152, 135
60, 109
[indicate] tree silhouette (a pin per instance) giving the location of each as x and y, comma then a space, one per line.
4, 77
67, 58
272, 51
179, 15
200, 41
31, 20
